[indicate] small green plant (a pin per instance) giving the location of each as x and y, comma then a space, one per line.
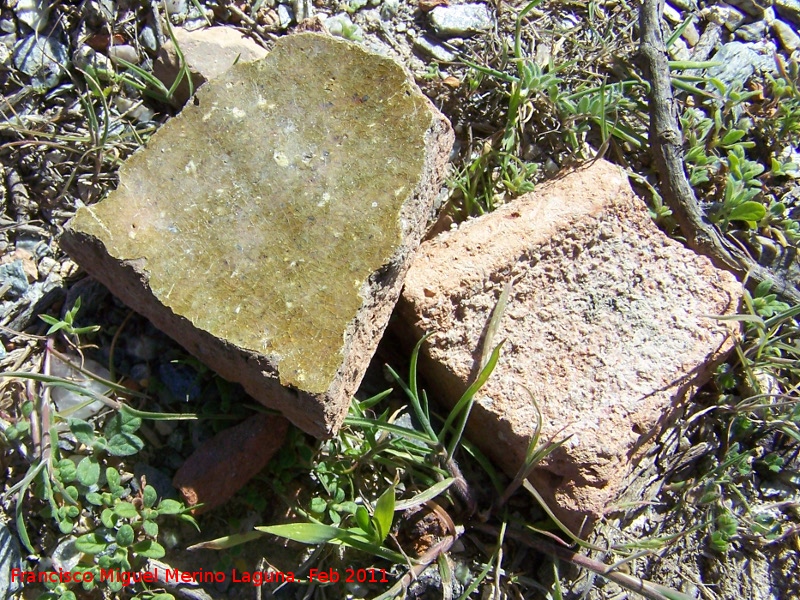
539, 94
758, 421
85, 490
67, 324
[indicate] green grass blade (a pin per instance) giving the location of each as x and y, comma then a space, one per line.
228, 541
429, 494
464, 405
412, 434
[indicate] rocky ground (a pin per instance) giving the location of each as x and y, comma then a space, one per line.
78, 98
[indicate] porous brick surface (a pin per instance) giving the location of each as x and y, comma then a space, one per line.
268, 227
608, 325
225, 463
206, 53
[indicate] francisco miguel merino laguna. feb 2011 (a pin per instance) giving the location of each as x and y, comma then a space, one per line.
255, 578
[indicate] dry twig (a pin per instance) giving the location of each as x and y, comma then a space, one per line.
666, 142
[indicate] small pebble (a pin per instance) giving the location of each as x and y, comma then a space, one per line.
672, 14
460, 19
752, 32
691, 35
125, 52
5, 58
176, 7
285, 15
66, 556
34, 13
789, 10
786, 35
44, 58
7, 26
432, 47
149, 38
74, 404
750, 7
13, 280
99, 12
46, 265
389, 9
680, 50
303, 9
86, 59
724, 15
685, 5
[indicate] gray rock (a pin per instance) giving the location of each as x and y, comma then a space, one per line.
176, 7
389, 8
672, 14
786, 35
66, 556
43, 58
691, 35
9, 559
13, 275
460, 19
738, 61
752, 32
5, 58
725, 15
149, 38
34, 13
124, 51
789, 10
286, 15
432, 47
751, 7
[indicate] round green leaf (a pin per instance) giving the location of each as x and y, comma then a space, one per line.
82, 430
66, 527
149, 496
91, 543
124, 444
748, 211
126, 510
88, 471
149, 549
67, 471
108, 518
72, 492
318, 505
125, 536
169, 507
112, 476
11, 433
150, 528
